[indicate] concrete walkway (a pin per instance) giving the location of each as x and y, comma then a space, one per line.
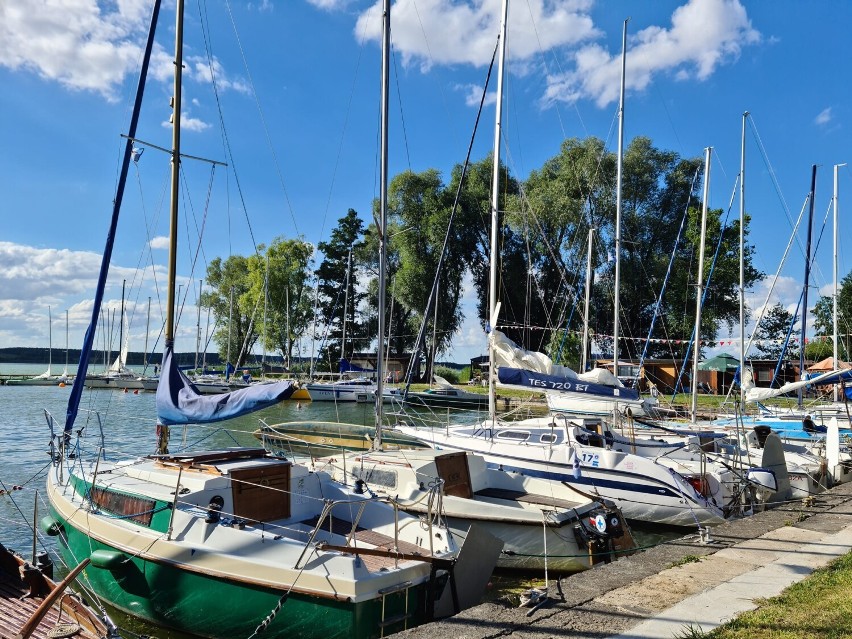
663, 591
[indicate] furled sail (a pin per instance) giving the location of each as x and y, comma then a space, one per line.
179, 402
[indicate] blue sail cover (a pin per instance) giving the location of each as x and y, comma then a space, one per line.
531, 380
179, 402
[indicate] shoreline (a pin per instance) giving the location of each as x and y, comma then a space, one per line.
661, 591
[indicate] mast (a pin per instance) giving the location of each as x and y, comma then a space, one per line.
198, 324
121, 329
696, 351
89, 339
495, 215
49, 342
742, 262
807, 281
345, 304
834, 267
265, 309
383, 220
175, 177
230, 327
618, 204
65, 372
147, 330
585, 346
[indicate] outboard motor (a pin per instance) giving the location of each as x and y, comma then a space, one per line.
598, 530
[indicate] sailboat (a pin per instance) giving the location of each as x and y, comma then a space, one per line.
560, 447
47, 378
236, 542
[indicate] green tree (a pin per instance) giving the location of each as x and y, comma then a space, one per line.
282, 269
339, 287
824, 317
228, 282
772, 332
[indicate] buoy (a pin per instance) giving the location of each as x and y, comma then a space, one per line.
136, 392
125, 390
61, 384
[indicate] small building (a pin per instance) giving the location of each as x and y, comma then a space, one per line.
395, 365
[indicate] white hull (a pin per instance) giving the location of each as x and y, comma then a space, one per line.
642, 489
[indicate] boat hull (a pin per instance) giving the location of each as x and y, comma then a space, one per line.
178, 597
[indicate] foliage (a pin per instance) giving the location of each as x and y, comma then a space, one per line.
236, 294
449, 374
281, 287
824, 316
339, 295
772, 332
228, 298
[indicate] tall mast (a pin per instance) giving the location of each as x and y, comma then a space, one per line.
742, 262
807, 282
65, 372
618, 183
230, 327
495, 214
585, 344
198, 324
265, 309
383, 221
121, 329
49, 342
696, 351
147, 330
89, 338
175, 178
834, 296
345, 304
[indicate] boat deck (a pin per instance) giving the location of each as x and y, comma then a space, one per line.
16, 609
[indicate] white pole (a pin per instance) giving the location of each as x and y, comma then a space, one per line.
834, 304
495, 202
700, 288
742, 263
618, 204
585, 343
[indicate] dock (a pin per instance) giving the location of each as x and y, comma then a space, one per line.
665, 590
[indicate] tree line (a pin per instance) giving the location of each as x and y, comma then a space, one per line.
289, 296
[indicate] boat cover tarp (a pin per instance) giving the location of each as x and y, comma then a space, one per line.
531, 380
346, 366
179, 402
507, 354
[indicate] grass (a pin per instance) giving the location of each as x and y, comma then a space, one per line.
820, 607
688, 559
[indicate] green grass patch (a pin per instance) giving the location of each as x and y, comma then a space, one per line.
820, 607
688, 559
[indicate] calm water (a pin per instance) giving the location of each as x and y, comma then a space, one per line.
128, 422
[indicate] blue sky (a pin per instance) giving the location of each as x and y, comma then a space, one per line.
295, 114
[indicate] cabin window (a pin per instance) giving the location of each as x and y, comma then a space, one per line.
548, 439
515, 435
125, 506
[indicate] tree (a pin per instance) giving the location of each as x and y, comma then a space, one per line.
228, 281
772, 333
824, 317
337, 286
283, 270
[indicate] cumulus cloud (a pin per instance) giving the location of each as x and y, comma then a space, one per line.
82, 44
330, 5
92, 45
160, 242
703, 35
466, 32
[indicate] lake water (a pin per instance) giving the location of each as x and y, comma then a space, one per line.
128, 423
127, 420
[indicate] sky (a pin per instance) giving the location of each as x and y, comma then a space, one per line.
287, 94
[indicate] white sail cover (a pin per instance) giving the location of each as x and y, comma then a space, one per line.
755, 394
509, 354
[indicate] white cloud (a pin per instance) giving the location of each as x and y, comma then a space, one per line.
473, 95
82, 44
703, 35
330, 5
188, 123
824, 117
160, 242
466, 32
